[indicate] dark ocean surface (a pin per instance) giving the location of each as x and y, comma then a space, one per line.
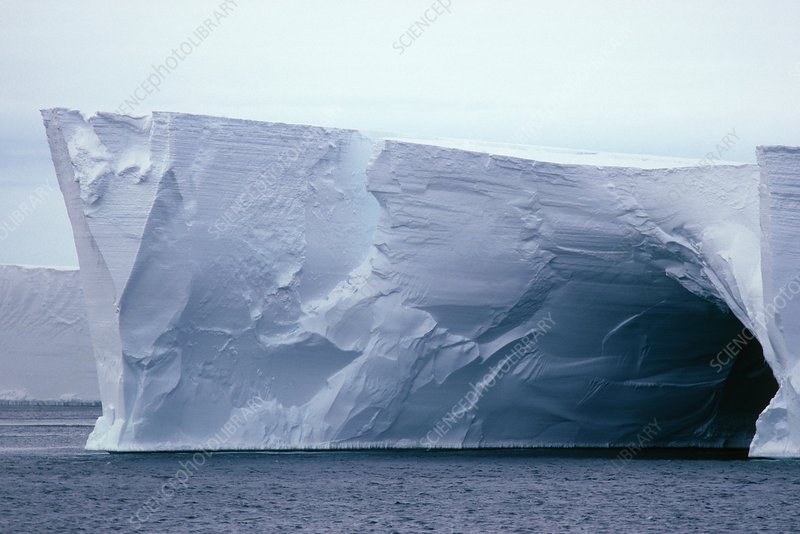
48, 483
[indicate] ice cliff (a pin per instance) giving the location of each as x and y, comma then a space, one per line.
45, 349
256, 285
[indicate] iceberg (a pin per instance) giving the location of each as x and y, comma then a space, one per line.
254, 285
46, 349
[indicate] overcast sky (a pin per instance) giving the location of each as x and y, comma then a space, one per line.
669, 78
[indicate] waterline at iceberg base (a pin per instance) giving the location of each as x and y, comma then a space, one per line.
254, 285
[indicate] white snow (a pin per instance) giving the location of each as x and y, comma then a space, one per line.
257, 285
561, 155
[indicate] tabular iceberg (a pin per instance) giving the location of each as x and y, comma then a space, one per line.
45, 350
256, 285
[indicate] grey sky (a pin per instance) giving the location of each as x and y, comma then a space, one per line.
669, 78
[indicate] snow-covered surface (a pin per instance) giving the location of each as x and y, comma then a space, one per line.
257, 285
45, 348
562, 155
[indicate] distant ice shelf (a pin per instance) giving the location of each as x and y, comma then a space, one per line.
45, 349
254, 285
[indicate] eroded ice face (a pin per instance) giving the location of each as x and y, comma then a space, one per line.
260, 285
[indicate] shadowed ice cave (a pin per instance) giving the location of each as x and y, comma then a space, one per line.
686, 362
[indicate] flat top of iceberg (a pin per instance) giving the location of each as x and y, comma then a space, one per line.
23, 266
565, 156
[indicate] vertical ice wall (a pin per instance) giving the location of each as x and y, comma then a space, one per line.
192, 298
779, 426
